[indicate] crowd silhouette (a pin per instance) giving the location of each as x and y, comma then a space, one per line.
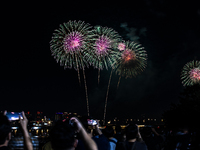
85, 133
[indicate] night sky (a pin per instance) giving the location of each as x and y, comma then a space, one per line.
31, 79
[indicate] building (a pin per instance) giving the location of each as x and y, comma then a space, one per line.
39, 116
58, 116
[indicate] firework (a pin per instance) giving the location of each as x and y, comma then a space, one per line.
132, 60
102, 54
69, 45
121, 46
190, 74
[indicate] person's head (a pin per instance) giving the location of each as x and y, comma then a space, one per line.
5, 129
131, 132
109, 131
184, 129
62, 136
147, 131
118, 129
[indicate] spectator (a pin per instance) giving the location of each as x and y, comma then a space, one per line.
27, 140
131, 143
100, 139
62, 136
152, 139
118, 132
5, 132
96, 134
183, 138
109, 133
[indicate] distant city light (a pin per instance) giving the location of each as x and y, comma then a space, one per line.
36, 127
59, 113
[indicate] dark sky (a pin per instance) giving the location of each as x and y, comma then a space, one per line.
32, 80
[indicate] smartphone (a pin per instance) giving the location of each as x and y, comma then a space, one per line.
14, 115
92, 122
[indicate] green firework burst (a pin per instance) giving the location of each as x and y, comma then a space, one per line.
132, 60
70, 43
190, 74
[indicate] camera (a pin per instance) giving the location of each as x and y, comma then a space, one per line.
14, 115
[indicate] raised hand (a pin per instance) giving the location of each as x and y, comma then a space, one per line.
77, 124
24, 121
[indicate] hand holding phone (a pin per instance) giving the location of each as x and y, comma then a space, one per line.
23, 121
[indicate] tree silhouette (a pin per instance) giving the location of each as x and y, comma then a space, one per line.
187, 112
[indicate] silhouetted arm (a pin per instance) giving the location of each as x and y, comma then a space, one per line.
27, 140
87, 140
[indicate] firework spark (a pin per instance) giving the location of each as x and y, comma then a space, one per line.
121, 46
190, 74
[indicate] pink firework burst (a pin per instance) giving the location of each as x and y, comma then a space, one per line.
195, 74
73, 42
190, 74
102, 46
121, 46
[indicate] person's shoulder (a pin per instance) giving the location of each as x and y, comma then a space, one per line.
114, 140
47, 146
141, 145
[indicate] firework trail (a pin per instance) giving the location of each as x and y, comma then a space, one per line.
86, 95
104, 116
69, 45
190, 74
132, 60
98, 75
119, 81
